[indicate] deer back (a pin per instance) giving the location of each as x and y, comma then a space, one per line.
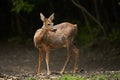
58, 38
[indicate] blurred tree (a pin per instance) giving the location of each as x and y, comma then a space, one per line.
23, 15
76, 3
19, 6
96, 10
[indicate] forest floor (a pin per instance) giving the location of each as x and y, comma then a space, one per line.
20, 60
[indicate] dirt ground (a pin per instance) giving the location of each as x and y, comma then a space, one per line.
21, 59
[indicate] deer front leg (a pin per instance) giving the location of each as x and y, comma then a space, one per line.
40, 60
47, 62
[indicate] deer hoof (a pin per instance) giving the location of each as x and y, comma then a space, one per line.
61, 72
48, 73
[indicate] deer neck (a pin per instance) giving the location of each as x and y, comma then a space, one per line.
43, 33
39, 37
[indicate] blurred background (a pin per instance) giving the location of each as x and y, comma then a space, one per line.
96, 19
98, 36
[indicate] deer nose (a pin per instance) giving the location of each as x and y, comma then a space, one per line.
53, 30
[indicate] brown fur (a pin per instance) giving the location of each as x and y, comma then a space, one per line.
46, 40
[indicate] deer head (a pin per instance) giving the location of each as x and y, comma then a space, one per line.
47, 23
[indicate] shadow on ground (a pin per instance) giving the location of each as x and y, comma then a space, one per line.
19, 59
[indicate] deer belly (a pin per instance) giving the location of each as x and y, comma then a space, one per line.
57, 42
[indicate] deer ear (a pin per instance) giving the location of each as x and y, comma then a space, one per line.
42, 17
51, 17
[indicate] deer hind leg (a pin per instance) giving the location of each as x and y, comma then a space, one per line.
40, 60
76, 52
68, 57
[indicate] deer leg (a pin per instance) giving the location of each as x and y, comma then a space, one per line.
47, 62
68, 58
67, 61
40, 60
76, 52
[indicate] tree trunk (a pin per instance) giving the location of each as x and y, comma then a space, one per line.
83, 9
87, 24
105, 15
18, 24
96, 10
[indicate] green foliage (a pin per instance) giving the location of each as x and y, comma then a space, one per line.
72, 77
99, 77
118, 3
87, 33
42, 2
115, 76
30, 78
15, 39
18, 39
114, 35
21, 5
83, 35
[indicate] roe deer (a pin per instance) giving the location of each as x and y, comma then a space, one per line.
51, 37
